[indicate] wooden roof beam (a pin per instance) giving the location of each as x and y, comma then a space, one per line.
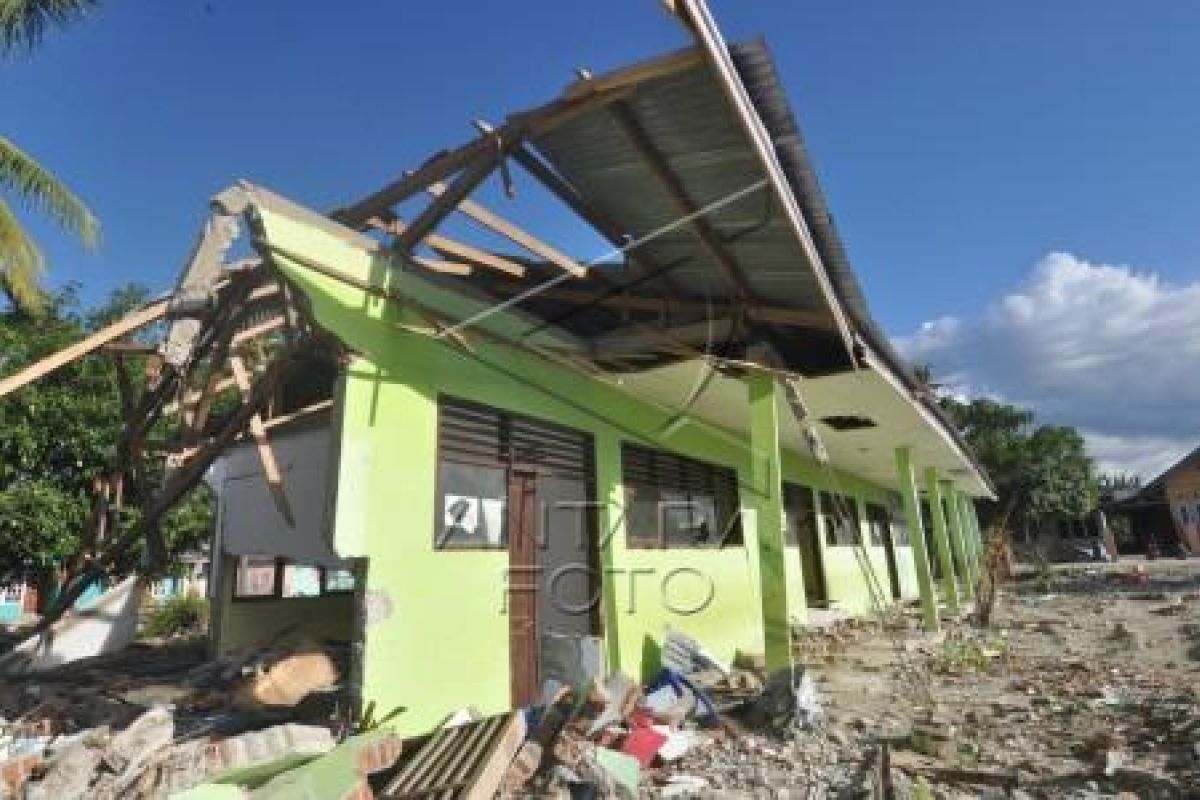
578, 98
498, 224
709, 239
794, 317
690, 334
447, 201
140, 318
451, 249
610, 230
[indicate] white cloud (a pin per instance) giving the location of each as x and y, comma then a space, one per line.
1108, 349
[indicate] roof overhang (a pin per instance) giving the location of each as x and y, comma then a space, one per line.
706, 395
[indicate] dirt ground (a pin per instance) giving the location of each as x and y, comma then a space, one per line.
1085, 686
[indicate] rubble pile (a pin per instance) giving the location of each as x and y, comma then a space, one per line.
157, 719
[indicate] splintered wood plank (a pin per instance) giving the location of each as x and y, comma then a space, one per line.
265, 454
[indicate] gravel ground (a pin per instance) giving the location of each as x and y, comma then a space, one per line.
1087, 685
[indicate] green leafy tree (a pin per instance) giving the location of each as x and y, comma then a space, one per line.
22, 178
59, 433
1042, 471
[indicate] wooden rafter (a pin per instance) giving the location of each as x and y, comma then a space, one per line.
498, 224
451, 249
625, 301
266, 455
579, 98
446, 201
705, 234
110, 333
610, 230
691, 334
635, 74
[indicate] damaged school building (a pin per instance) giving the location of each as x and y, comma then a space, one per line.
440, 438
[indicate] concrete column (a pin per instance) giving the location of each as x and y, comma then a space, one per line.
971, 551
969, 524
916, 536
767, 482
610, 495
972, 546
941, 538
980, 544
958, 543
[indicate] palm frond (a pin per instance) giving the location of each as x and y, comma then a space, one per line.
42, 192
21, 264
23, 23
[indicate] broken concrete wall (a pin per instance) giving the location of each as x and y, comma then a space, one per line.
106, 625
250, 524
256, 621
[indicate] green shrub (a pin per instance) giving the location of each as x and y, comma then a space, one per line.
178, 615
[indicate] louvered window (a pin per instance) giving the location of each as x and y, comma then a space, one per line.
675, 501
477, 446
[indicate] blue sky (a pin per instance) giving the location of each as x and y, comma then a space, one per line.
959, 144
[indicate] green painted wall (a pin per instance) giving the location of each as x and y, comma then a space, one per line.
439, 639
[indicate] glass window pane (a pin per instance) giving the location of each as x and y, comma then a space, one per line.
472, 506
840, 515
877, 524
300, 580
255, 577
689, 520
799, 516
675, 501
339, 580
641, 516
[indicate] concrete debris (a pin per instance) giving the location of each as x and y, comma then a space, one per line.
1047, 702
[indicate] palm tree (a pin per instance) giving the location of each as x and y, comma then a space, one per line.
21, 262
22, 25
24, 22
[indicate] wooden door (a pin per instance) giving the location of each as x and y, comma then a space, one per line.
523, 581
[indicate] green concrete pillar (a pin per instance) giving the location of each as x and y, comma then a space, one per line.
767, 484
916, 536
980, 544
611, 496
941, 538
958, 544
970, 551
969, 521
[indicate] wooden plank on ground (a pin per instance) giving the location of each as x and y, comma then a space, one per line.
466, 761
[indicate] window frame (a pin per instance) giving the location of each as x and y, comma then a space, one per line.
511, 428
791, 489
277, 584
884, 518
718, 479
825, 512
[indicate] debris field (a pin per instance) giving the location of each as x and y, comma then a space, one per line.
1083, 687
